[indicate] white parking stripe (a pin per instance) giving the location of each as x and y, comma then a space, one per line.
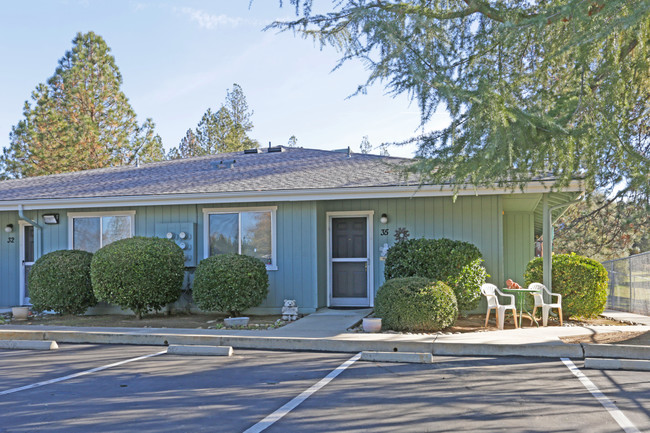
275, 416
614, 411
81, 373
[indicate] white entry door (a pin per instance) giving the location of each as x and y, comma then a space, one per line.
350, 264
27, 259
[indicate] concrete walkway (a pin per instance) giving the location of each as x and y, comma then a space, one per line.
323, 323
624, 317
325, 330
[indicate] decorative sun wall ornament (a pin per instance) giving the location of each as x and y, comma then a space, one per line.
401, 234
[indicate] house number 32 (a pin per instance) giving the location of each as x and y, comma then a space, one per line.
11, 240
384, 232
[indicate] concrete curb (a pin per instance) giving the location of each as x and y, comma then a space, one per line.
175, 349
617, 364
408, 357
550, 350
624, 351
28, 345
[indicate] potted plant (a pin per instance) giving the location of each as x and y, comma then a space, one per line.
231, 283
20, 313
371, 324
232, 322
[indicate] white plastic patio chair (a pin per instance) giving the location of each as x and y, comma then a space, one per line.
539, 302
490, 291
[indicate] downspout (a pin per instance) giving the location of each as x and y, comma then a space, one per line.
547, 238
38, 239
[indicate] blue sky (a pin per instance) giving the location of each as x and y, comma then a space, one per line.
178, 58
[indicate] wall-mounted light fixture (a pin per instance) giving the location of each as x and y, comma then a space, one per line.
9, 228
51, 218
384, 218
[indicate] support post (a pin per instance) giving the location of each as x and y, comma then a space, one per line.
547, 243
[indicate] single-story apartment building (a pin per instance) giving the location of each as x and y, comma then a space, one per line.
322, 221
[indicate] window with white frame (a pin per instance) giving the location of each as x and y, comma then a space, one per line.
91, 231
249, 231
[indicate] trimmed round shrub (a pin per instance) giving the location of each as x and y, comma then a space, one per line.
456, 263
138, 273
416, 304
581, 281
230, 283
60, 281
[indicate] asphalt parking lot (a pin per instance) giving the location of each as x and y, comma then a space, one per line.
189, 393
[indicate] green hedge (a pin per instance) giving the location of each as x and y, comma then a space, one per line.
60, 281
230, 283
581, 281
415, 304
456, 263
138, 273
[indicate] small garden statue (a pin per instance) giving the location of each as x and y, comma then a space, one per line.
289, 310
512, 285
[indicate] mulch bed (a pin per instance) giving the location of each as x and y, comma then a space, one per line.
176, 320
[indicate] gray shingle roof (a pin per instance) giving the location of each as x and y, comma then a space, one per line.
292, 169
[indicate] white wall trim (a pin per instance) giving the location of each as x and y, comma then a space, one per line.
280, 195
214, 210
101, 213
238, 210
370, 249
73, 215
21, 257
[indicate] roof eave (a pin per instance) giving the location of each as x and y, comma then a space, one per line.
279, 195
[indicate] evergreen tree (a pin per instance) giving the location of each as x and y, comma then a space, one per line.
80, 119
225, 130
615, 231
533, 88
189, 146
240, 117
365, 146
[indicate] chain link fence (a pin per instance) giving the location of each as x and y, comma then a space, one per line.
629, 284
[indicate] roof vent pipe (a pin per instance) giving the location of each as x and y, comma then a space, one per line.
223, 164
349, 152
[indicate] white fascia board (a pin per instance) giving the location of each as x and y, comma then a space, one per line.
279, 195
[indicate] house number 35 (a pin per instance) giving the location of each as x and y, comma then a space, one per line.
11, 240
384, 232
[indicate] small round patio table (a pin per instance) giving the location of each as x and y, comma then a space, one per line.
520, 302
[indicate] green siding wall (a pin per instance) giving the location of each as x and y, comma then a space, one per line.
296, 277
506, 241
472, 219
519, 244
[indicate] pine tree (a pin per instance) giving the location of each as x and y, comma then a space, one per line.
365, 146
225, 130
556, 88
615, 231
189, 146
240, 116
80, 119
